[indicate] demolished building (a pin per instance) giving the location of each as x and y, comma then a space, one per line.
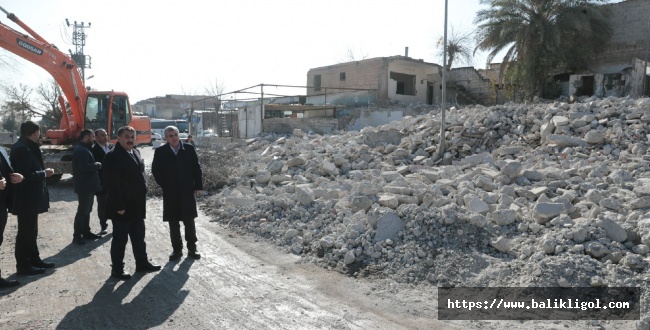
394, 78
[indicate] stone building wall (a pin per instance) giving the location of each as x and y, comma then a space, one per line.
629, 23
469, 81
358, 74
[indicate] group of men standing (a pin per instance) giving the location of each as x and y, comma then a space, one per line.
115, 175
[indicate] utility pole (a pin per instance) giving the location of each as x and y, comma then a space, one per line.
441, 148
645, 63
79, 40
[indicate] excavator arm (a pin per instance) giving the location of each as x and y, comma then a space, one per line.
63, 69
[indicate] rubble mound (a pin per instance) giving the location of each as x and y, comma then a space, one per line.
542, 194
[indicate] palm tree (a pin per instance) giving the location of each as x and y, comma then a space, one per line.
459, 48
541, 35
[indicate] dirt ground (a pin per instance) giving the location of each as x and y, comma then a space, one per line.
240, 283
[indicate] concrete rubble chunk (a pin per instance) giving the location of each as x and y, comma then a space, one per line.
388, 225
295, 162
565, 141
642, 190
503, 217
275, 167
596, 250
388, 200
502, 244
330, 168
359, 203
640, 203
512, 169
644, 231
543, 212
475, 204
304, 195
614, 231
594, 137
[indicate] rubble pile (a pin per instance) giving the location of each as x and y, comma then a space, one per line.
543, 194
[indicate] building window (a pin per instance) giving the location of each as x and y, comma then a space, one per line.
317, 83
342, 76
405, 83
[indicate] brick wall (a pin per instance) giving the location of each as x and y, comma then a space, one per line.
358, 74
479, 88
320, 125
629, 23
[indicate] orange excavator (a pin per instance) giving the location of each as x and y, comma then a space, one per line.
86, 108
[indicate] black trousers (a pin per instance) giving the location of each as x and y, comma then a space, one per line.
3, 223
26, 248
190, 234
82, 218
101, 209
122, 231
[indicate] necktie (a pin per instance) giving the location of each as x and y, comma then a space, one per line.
134, 159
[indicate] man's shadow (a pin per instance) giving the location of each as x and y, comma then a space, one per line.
66, 256
155, 303
73, 252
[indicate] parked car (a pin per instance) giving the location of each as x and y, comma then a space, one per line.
183, 136
208, 133
155, 137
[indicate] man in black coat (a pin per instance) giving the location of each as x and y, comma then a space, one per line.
9, 178
126, 203
86, 183
31, 198
177, 171
101, 147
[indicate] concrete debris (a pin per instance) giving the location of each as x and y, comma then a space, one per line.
532, 190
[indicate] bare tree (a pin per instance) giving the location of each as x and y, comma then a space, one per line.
216, 88
7, 65
48, 103
19, 97
351, 56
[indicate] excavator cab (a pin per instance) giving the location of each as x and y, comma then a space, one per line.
108, 111
121, 114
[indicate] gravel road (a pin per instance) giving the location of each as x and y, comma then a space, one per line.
240, 283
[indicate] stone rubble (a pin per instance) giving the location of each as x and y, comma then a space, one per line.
542, 194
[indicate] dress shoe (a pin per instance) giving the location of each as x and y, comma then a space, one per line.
79, 241
175, 255
30, 271
8, 283
122, 275
148, 267
104, 230
194, 254
42, 264
91, 236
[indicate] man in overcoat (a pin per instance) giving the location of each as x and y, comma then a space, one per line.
101, 147
177, 171
126, 203
31, 198
85, 179
9, 178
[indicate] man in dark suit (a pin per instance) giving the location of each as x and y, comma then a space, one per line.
177, 171
86, 183
31, 198
101, 147
126, 203
9, 178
